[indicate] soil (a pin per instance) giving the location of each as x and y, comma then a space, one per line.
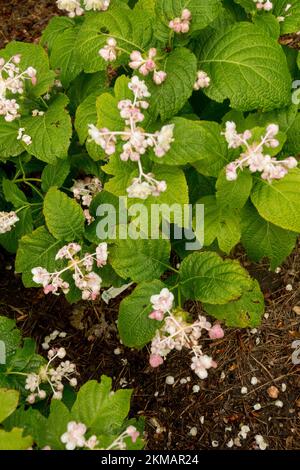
219, 409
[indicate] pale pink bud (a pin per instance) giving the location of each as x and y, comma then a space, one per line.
216, 332
156, 315
159, 77
155, 360
186, 15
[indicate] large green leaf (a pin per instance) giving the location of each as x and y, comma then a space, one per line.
55, 175
220, 223
13, 194
64, 55
246, 66
14, 440
278, 202
9, 145
169, 97
54, 29
233, 194
100, 410
262, 239
8, 402
56, 425
135, 327
50, 133
243, 312
36, 249
10, 335
64, 216
32, 55
141, 259
131, 29
206, 277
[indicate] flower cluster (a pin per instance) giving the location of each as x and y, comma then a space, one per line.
203, 80
52, 376
84, 277
52, 337
84, 191
137, 141
8, 221
177, 333
182, 24
263, 5
253, 156
146, 65
74, 8
74, 437
12, 82
24, 137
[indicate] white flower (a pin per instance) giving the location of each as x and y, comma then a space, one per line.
109, 51
182, 24
92, 442
261, 442
7, 221
73, 7
32, 382
203, 80
162, 302
100, 5
101, 254
74, 437
140, 190
139, 88
164, 140
40, 276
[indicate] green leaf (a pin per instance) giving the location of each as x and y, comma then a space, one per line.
50, 133
101, 411
169, 97
55, 175
64, 55
9, 335
135, 327
220, 223
244, 312
10, 240
291, 23
54, 29
278, 202
215, 153
14, 440
86, 114
9, 145
247, 67
269, 24
233, 194
32, 422
131, 28
141, 259
206, 277
203, 11
36, 249
64, 217
32, 55
13, 194
193, 140
262, 239
9, 400
56, 426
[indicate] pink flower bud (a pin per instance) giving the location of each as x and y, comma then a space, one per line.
156, 315
216, 332
155, 360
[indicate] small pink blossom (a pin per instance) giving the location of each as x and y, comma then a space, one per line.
155, 360
216, 332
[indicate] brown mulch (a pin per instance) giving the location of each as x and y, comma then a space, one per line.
219, 409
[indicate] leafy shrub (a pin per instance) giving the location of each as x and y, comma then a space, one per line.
162, 104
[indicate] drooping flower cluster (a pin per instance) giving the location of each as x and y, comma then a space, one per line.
53, 376
12, 81
137, 141
8, 221
83, 275
74, 438
84, 191
203, 80
146, 65
254, 156
177, 333
182, 24
263, 5
74, 8
24, 137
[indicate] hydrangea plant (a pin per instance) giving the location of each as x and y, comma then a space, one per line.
156, 102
